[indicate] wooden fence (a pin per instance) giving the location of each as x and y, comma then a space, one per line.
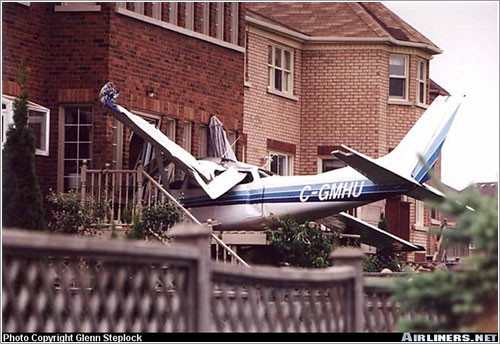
70, 284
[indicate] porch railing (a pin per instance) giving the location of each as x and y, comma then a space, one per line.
123, 193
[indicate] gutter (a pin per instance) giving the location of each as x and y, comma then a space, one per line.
332, 39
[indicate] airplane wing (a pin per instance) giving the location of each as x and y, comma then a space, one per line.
379, 174
213, 178
373, 236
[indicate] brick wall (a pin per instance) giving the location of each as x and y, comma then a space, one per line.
70, 55
269, 116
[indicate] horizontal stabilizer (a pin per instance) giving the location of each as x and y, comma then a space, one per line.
373, 236
379, 174
368, 167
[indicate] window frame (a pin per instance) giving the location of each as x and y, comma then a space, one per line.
173, 10
289, 162
187, 136
234, 22
271, 67
327, 157
219, 23
405, 77
203, 140
421, 62
9, 119
62, 142
189, 22
419, 214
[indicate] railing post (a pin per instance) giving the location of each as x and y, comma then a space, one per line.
83, 182
198, 236
346, 256
140, 170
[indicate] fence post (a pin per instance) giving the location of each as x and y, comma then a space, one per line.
83, 182
199, 237
353, 257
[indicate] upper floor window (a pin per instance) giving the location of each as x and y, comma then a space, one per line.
421, 80
398, 77
203, 141
280, 69
38, 121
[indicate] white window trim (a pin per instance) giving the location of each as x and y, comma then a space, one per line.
77, 7
270, 85
289, 163
170, 122
166, 25
419, 213
324, 157
406, 78
157, 9
187, 137
190, 15
203, 144
423, 81
173, 11
219, 24
234, 22
205, 18
9, 102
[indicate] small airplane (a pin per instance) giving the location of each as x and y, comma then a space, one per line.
238, 195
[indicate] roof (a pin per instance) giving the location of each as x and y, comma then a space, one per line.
489, 189
436, 89
369, 20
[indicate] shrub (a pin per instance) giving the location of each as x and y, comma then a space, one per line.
301, 245
157, 219
67, 215
462, 299
22, 201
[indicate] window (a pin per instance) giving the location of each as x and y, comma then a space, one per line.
38, 121
219, 24
419, 213
190, 15
203, 141
326, 164
281, 164
398, 77
172, 12
77, 144
205, 18
234, 22
170, 130
421, 82
280, 67
157, 10
186, 141
139, 7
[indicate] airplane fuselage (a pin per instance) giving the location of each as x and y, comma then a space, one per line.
253, 203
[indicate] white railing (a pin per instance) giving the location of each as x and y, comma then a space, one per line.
123, 193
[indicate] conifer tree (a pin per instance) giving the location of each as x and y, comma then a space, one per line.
22, 201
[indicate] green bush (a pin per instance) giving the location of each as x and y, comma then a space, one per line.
466, 299
301, 245
22, 205
381, 260
157, 219
66, 214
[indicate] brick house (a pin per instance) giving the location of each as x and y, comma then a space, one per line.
323, 74
176, 64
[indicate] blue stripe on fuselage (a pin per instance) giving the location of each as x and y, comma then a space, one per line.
291, 194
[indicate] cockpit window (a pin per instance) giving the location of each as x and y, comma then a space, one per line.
264, 174
248, 178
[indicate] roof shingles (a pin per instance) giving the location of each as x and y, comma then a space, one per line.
337, 19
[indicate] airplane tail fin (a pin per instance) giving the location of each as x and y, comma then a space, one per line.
424, 139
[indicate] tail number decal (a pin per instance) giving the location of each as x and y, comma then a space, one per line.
328, 192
